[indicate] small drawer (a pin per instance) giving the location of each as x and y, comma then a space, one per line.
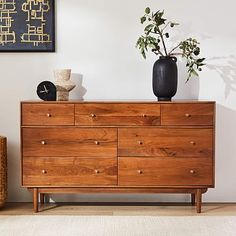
187, 114
164, 142
47, 114
69, 141
69, 171
154, 171
107, 114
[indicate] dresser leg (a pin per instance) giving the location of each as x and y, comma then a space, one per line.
42, 198
193, 199
36, 200
199, 200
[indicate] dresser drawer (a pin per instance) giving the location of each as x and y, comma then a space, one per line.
117, 114
162, 171
47, 114
69, 171
163, 142
69, 141
187, 114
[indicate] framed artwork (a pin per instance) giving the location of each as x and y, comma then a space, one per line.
27, 26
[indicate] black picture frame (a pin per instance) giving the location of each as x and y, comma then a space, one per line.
22, 25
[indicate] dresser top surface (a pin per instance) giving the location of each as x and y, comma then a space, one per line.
116, 101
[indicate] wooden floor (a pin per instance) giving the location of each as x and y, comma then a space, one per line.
120, 209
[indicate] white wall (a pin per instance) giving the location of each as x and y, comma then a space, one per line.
96, 38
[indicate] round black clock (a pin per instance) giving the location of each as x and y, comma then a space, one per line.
47, 91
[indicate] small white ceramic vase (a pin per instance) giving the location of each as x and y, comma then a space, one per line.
63, 83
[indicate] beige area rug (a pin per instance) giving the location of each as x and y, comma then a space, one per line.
117, 226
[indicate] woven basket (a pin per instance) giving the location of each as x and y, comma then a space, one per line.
3, 171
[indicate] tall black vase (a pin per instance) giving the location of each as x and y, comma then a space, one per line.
165, 78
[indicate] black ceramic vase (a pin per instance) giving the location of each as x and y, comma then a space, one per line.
165, 78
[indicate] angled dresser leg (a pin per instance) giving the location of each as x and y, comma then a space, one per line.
193, 199
199, 200
36, 200
42, 198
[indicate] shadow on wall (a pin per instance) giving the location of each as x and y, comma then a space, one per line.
226, 68
79, 92
225, 154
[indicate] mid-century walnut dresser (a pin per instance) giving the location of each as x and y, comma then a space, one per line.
118, 147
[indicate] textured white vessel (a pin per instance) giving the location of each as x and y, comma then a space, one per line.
63, 83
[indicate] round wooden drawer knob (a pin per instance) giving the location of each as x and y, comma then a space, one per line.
140, 172
44, 172
97, 171
49, 115
192, 172
93, 115
193, 143
43, 142
187, 115
140, 142
144, 115
97, 142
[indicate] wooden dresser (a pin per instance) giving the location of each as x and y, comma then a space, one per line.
118, 147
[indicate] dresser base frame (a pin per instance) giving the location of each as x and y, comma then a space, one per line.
39, 193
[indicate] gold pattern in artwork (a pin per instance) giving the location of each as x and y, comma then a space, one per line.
36, 10
7, 8
35, 35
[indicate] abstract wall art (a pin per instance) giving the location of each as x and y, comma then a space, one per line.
27, 26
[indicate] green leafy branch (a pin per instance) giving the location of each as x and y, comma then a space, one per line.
155, 36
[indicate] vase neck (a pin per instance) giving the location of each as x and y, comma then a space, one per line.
168, 58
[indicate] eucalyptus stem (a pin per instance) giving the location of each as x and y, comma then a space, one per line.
162, 40
159, 52
165, 26
172, 50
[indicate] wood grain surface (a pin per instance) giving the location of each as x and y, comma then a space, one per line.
47, 114
138, 171
117, 114
187, 114
165, 142
69, 171
70, 141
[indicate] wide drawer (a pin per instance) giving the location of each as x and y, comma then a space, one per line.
47, 114
172, 142
162, 171
187, 114
70, 141
69, 171
117, 114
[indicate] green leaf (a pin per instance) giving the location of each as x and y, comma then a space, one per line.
147, 10
196, 52
200, 60
201, 64
161, 14
143, 54
143, 19
159, 21
194, 73
148, 28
